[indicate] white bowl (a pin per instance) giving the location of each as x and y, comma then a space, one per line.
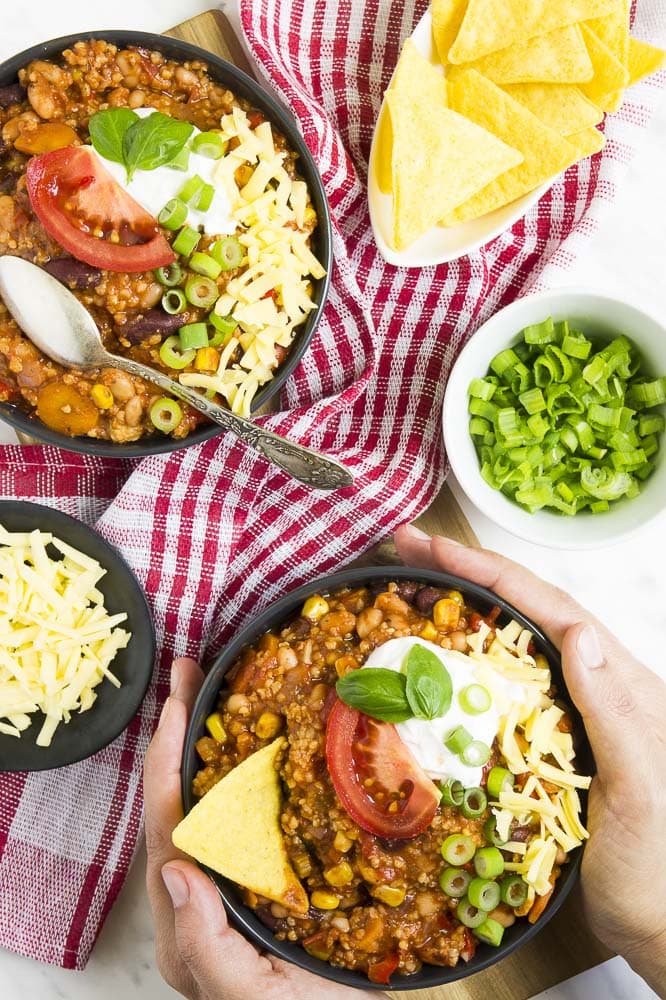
594, 314
440, 244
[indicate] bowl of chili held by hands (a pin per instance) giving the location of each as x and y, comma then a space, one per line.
383, 780
179, 202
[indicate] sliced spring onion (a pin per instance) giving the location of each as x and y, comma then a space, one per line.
499, 779
457, 739
181, 160
209, 144
201, 291
203, 263
458, 849
491, 834
475, 699
452, 792
172, 356
474, 803
490, 932
454, 882
483, 894
475, 754
469, 915
170, 275
513, 890
174, 301
224, 327
190, 189
165, 414
186, 242
228, 253
173, 215
193, 336
204, 199
488, 862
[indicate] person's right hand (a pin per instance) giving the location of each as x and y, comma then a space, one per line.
623, 705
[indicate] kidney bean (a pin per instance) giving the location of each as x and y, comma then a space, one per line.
426, 598
73, 273
407, 590
13, 93
151, 322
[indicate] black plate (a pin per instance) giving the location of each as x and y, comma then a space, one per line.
322, 244
280, 613
114, 708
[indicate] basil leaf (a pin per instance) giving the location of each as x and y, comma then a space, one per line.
377, 692
428, 689
107, 131
153, 141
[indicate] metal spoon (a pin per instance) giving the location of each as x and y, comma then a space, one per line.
57, 323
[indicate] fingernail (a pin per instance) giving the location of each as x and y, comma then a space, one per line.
416, 533
176, 886
164, 713
589, 648
174, 678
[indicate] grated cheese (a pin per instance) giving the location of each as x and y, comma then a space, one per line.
56, 639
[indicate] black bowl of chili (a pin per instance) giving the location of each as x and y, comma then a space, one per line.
286, 610
245, 87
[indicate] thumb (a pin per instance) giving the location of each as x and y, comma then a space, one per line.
221, 962
599, 687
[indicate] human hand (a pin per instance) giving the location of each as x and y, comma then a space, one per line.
623, 705
197, 952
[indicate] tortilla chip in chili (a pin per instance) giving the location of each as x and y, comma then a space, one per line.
559, 56
235, 830
560, 106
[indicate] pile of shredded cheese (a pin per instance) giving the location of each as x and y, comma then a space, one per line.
56, 638
529, 735
272, 296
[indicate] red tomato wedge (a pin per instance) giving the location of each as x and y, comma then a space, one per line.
83, 207
401, 800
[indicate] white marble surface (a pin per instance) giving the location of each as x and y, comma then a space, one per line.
626, 256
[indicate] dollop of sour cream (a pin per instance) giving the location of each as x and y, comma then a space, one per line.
154, 188
425, 737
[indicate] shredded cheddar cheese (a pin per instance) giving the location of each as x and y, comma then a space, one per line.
56, 638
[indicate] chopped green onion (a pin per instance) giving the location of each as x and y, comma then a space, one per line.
483, 894
645, 394
201, 291
186, 242
173, 215
488, 862
190, 189
172, 356
499, 779
513, 890
491, 834
475, 699
174, 301
224, 327
482, 388
452, 792
204, 199
490, 932
193, 336
474, 803
457, 739
458, 849
532, 400
540, 333
650, 423
469, 915
170, 275
181, 160
228, 253
165, 414
203, 263
454, 882
475, 754
210, 144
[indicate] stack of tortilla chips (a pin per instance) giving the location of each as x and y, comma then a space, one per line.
525, 83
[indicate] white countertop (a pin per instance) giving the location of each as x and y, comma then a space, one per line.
625, 585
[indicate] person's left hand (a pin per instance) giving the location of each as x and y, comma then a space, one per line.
197, 952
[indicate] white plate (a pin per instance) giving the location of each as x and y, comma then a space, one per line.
440, 244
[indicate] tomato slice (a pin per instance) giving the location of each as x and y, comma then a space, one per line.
400, 800
84, 208
381, 970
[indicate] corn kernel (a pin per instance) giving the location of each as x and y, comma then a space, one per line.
339, 875
392, 895
342, 842
446, 614
455, 595
429, 632
215, 727
302, 864
541, 662
268, 725
309, 216
315, 608
207, 359
101, 397
322, 900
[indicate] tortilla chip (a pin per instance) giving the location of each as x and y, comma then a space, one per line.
235, 830
559, 56
560, 106
644, 59
613, 30
588, 142
440, 159
384, 151
609, 73
447, 17
546, 153
489, 25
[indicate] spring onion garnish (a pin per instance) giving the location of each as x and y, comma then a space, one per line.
174, 301
170, 275
474, 803
469, 915
490, 932
190, 189
457, 740
458, 849
173, 215
193, 336
203, 263
560, 420
165, 414
186, 242
484, 894
172, 356
209, 144
475, 754
452, 792
491, 833
201, 291
513, 890
474, 699
228, 253
454, 882
499, 778
488, 862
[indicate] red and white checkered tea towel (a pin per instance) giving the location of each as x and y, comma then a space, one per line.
214, 533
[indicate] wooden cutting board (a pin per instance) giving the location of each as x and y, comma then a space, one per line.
566, 946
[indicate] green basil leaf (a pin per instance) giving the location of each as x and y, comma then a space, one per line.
428, 689
153, 141
107, 131
377, 692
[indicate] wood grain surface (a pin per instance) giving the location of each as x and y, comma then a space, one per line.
566, 946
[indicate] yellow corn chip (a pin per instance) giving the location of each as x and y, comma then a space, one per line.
613, 30
643, 60
560, 106
588, 142
489, 25
559, 56
235, 830
447, 17
609, 73
545, 152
